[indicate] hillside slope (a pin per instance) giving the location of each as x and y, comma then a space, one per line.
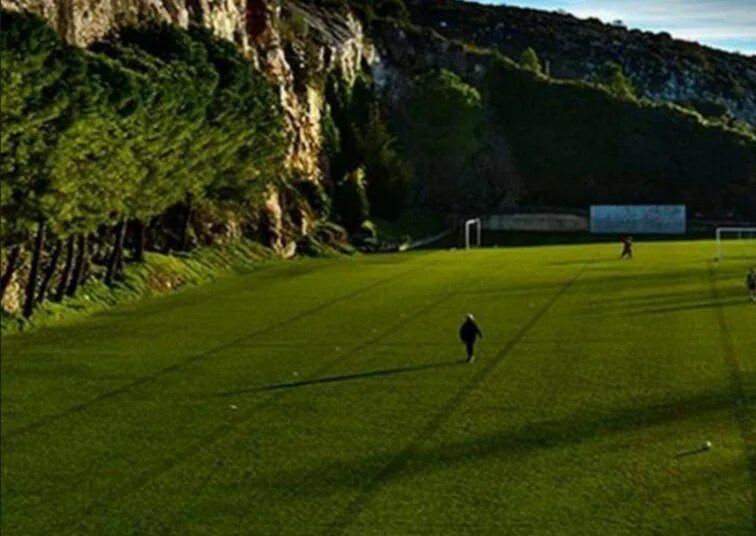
661, 67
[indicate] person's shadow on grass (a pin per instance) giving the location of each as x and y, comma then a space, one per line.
340, 378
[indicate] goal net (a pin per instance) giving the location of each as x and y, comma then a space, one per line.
735, 242
472, 232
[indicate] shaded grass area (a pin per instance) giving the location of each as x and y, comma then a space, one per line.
329, 396
159, 274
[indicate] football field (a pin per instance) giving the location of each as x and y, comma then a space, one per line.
331, 397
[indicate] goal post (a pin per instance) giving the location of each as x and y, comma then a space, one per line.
469, 224
732, 233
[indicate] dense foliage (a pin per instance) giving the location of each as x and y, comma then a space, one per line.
151, 118
443, 133
576, 143
460, 159
356, 135
572, 143
661, 67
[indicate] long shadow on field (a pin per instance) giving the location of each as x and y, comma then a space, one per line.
511, 443
341, 378
580, 262
743, 300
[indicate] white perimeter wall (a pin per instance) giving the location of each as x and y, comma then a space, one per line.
535, 222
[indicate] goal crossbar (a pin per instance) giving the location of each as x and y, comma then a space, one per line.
739, 231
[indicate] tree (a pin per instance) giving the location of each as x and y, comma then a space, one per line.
529, 60
36, 106
151, 118
442, 133
387, 174
617, 81
244, 145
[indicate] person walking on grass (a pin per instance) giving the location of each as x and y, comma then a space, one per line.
751, 283
627, 247
469, 333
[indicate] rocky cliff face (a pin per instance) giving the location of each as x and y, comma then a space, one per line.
661, 67
253, 25
258, 28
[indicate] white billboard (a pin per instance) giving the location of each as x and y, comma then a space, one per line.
639, 219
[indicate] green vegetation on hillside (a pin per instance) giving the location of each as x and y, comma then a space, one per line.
577, 143
330, 397
573, 143
153, 120
444, 119
358, 140
661, 67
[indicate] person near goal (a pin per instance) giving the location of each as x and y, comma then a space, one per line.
469, 333
751, 283
627, 247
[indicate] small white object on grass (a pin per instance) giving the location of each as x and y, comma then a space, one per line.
706, 445
233, 406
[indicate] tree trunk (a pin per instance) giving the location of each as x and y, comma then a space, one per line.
31, 285
49, 272
140, 231
65, 276
79, 268
149, 234
10, 268
115, 255
185, 225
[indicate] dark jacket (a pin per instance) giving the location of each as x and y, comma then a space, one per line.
469, 331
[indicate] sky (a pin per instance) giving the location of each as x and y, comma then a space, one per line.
725, 24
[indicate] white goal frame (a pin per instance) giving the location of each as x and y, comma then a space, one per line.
468, 226
726, 230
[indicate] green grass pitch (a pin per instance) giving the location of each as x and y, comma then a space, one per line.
331, 397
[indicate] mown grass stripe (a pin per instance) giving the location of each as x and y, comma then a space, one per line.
355, 507
271, 395
740, 398
175, 367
